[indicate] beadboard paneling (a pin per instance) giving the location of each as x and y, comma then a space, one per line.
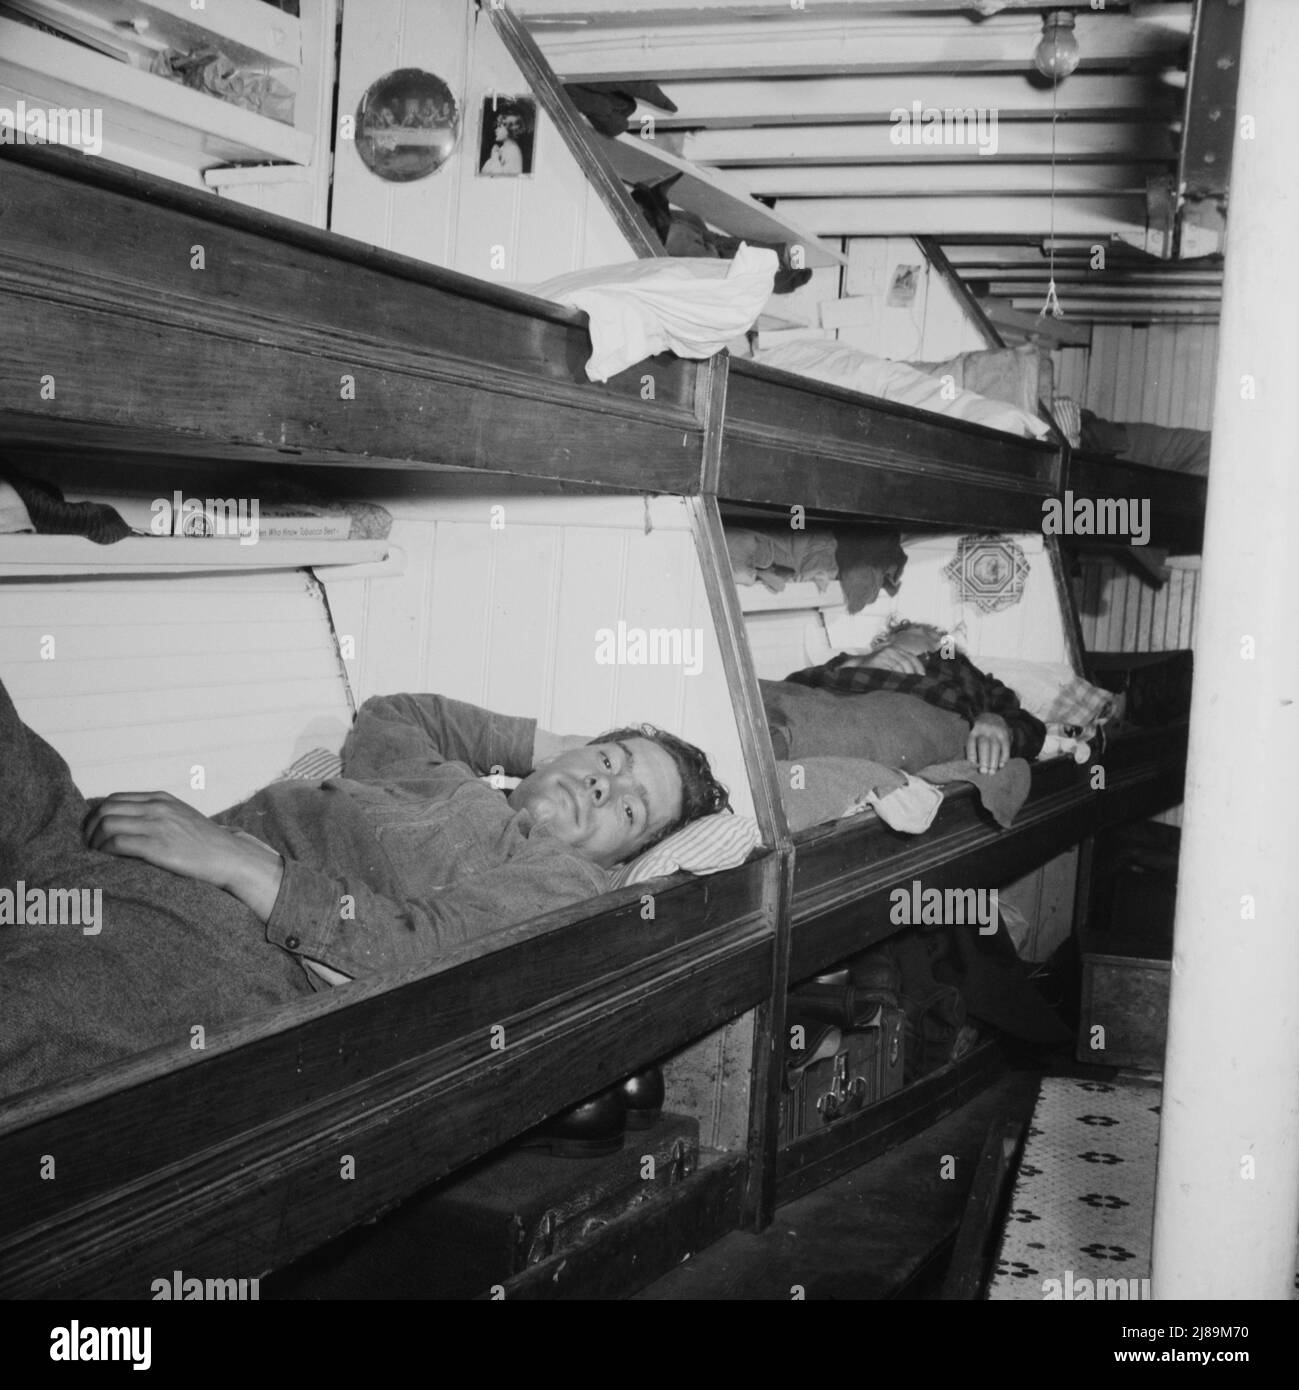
151, 676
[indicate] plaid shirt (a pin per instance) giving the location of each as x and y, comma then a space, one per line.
952, 683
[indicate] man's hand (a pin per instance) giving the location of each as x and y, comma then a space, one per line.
165, 832
988, 746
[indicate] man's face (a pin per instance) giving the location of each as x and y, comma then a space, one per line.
605, 801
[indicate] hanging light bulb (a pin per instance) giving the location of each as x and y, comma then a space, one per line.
1057, 54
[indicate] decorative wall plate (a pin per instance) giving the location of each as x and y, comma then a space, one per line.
989, 572
407, 125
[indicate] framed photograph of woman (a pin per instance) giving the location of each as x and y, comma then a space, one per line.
509, 127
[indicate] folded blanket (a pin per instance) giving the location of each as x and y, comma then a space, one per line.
822, 789
899, 731
1002, 793
817, 791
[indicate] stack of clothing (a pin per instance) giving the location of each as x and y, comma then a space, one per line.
864, 559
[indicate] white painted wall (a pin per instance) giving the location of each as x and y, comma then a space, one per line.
1160, 373
206, 687
508, 618
933, 327
814, 626
507, 230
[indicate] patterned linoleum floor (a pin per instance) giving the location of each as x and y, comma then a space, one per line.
1084, 1200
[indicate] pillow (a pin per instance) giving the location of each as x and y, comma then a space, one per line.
315, 766
1013, 375
1051, 691
900, 731
692, 307
705, 846
845, 366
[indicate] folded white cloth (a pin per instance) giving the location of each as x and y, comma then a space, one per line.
692, 307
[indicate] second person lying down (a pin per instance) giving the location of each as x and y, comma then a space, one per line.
984, 721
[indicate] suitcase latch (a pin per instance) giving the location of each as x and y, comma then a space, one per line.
680, 1167
844, 1095
543, 1243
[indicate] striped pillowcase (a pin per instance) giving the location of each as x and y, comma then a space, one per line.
705, 846
315, 766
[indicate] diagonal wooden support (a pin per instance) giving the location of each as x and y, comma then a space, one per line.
572, 125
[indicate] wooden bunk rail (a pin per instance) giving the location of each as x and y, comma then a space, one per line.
844, 875
295, 1127
255, 337
1177, 500
792, 440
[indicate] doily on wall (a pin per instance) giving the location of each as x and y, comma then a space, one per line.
989, 572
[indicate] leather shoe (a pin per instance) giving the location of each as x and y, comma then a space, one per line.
590, 1130
642, 1094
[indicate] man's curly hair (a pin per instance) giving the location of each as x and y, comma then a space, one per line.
701, 793
897, 623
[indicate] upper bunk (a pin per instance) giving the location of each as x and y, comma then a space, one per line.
318, 349
791, 439
1176, 500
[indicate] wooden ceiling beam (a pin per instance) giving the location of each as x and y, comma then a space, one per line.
791, 43
744, 104
965, 254
988, 178
1093, 217
621, 13
1096, 141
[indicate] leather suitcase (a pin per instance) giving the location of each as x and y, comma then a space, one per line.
492, 1220
860, 1067
519, 1209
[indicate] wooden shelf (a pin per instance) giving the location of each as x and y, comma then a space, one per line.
142, 110
25, 556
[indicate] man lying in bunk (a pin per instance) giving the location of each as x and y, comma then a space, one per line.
407, 854
919, 660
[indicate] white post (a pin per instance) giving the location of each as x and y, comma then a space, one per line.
1227, 1194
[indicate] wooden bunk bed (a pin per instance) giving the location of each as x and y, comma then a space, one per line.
1177, 500
230, 1160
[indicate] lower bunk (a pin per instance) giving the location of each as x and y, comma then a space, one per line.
291, 1130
